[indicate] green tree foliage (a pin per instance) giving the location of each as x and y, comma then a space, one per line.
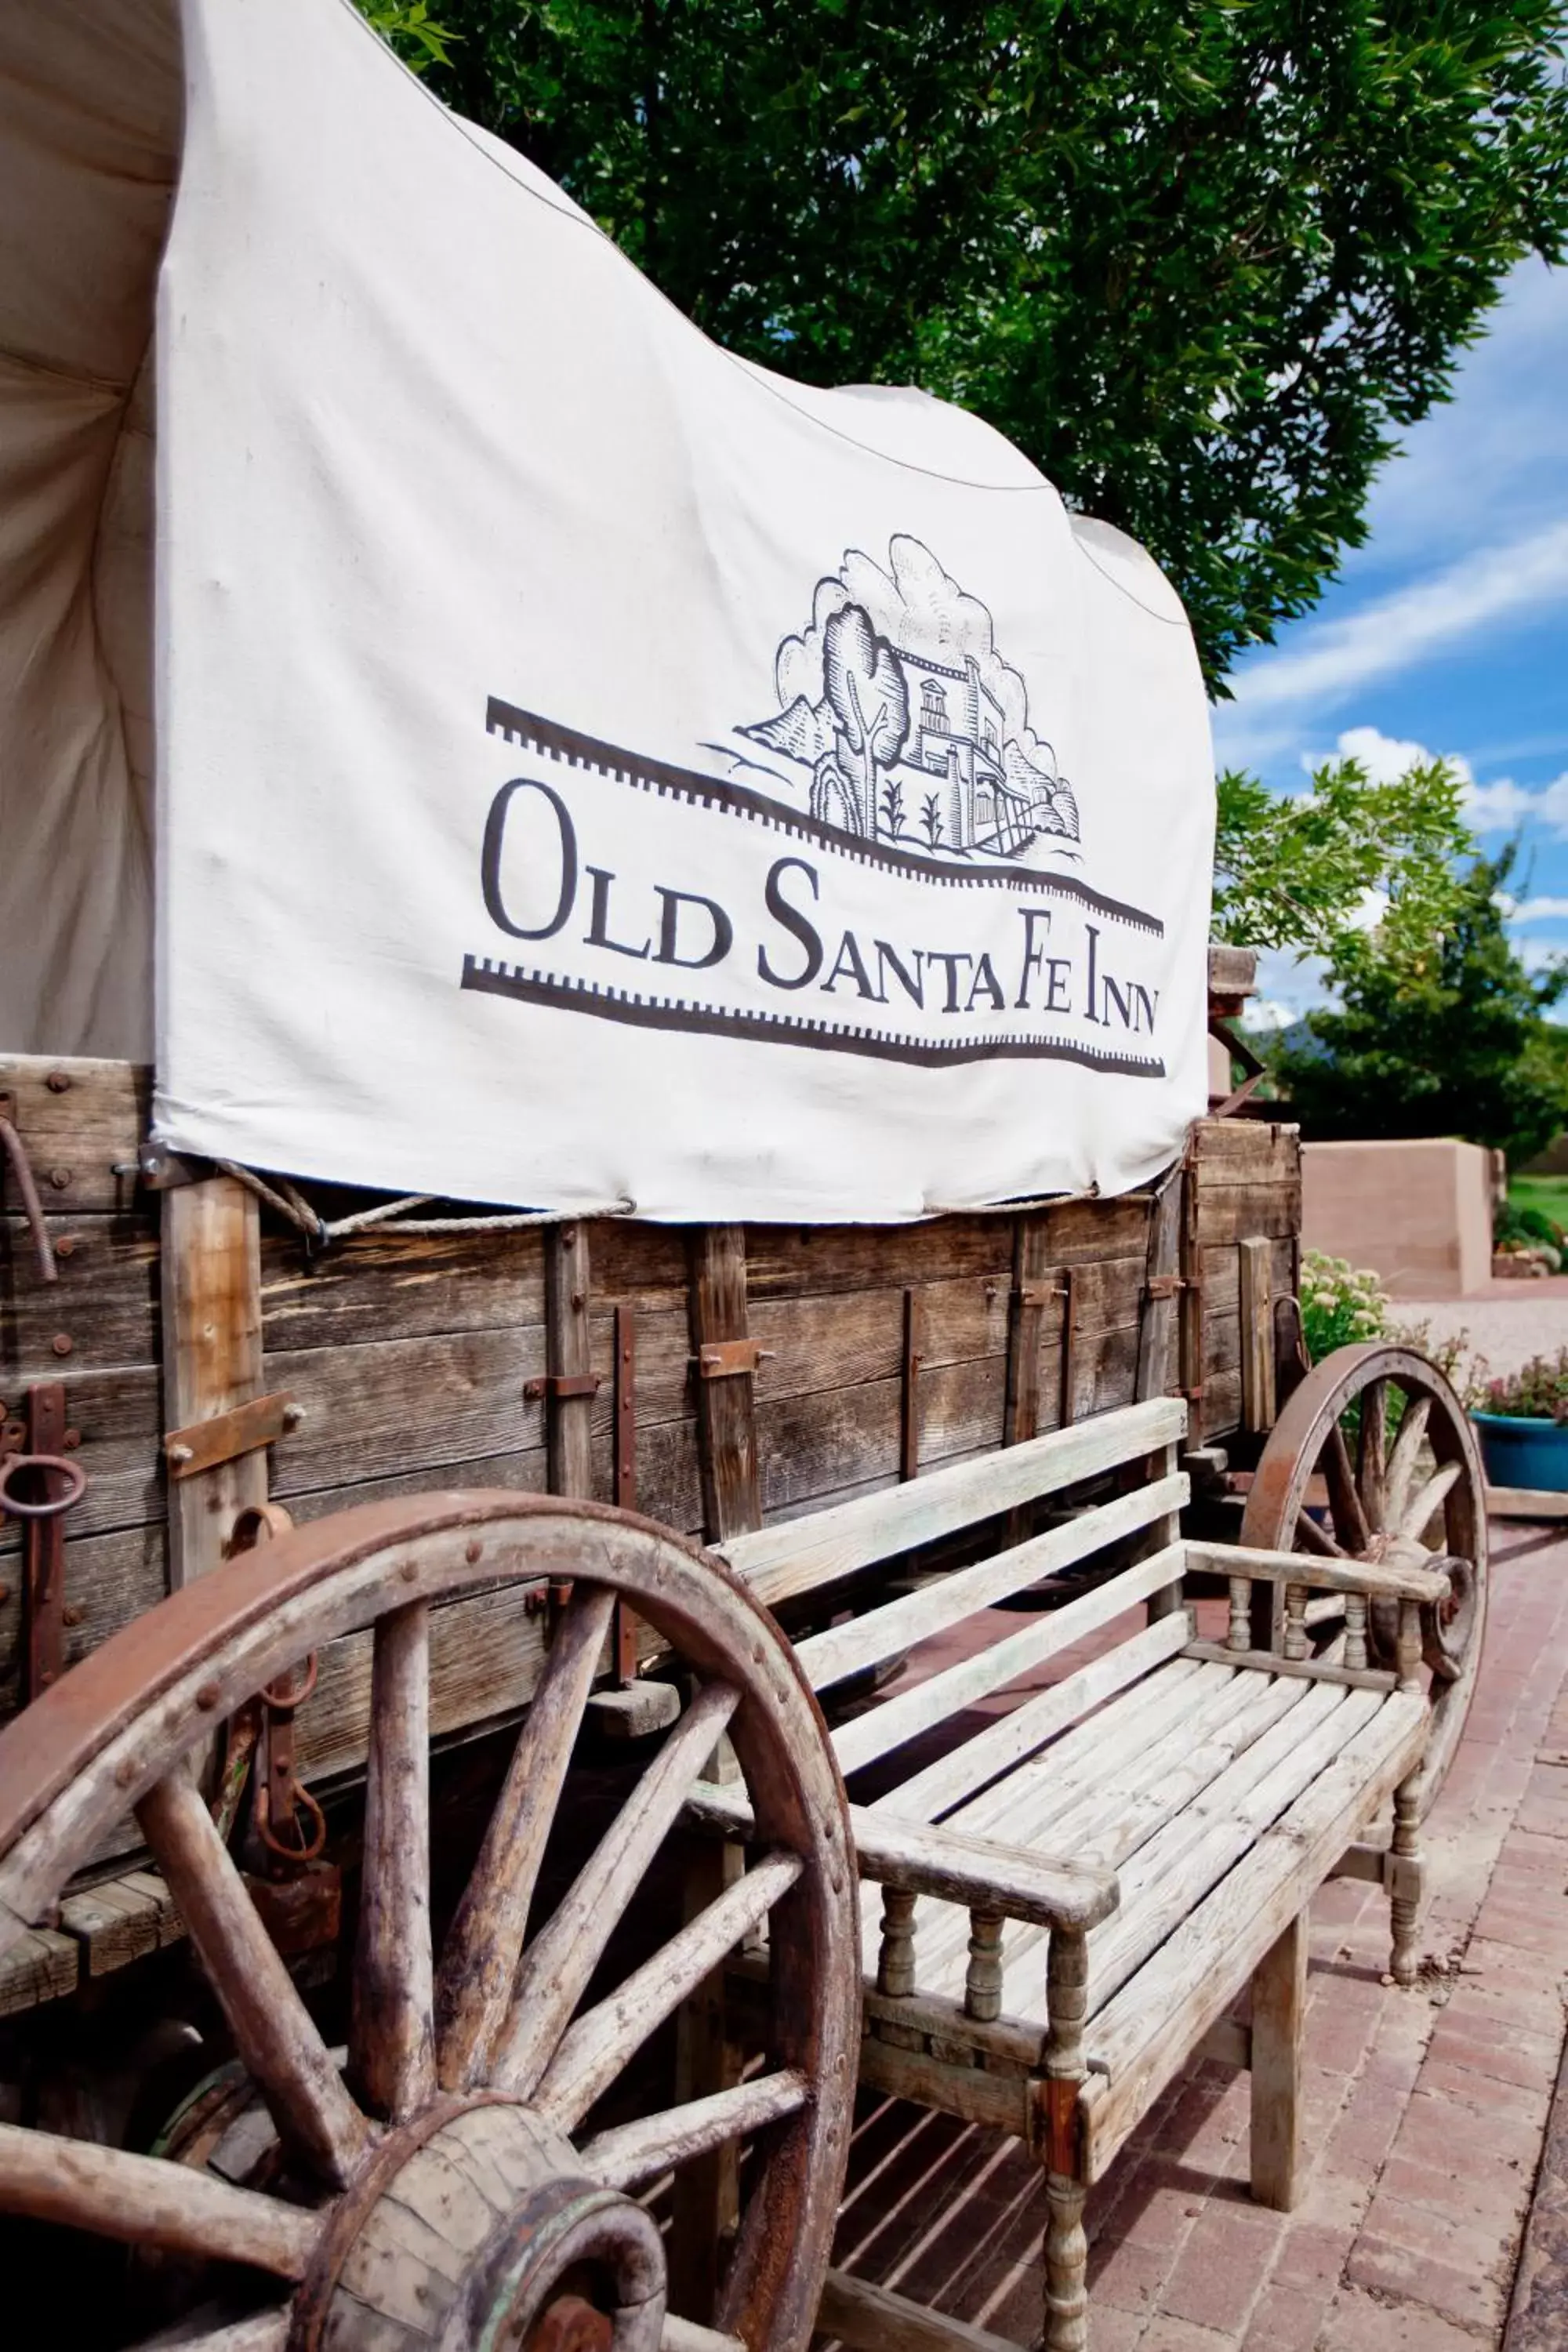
1451, 1043
1202, 259
1305, 872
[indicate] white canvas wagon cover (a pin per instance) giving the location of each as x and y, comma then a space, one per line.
483, 739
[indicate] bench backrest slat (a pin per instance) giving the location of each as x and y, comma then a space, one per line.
882, 1634
799, 1555
943, 1696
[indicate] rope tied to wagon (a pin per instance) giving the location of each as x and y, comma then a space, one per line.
320, 1232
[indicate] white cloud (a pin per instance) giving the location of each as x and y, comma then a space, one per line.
1504, 806
1540, 910
1385, 758
1393, 633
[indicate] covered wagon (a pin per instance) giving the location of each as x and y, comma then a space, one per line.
599, 950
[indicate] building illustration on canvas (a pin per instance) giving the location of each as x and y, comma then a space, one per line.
899, 722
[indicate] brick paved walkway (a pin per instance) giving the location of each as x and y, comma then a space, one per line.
1425, 2112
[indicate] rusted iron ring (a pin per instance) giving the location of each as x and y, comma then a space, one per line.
52, 1508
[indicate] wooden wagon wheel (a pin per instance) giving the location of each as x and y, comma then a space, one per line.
448, 2188
1373, 1458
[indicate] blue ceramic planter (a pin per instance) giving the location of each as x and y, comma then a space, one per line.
1519, 1452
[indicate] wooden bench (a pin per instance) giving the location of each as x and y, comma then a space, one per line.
1062, 1908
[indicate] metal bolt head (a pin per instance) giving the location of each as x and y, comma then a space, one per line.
62, 1343
179, 1455
70, 1616
208, 1696
58, 1083
293, 1414
71, 1441
59, 1178
66, 1248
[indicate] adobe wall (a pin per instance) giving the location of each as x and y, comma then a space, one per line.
1419, 1212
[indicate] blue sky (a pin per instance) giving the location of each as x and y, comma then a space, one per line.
1449, 630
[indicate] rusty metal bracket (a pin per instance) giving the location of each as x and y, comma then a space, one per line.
1223, 1035
553, 1386
63, 1483
15, 1151
725, 1359
245, 1430
1164, 1286
1055, 2124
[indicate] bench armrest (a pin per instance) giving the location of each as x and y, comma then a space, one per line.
1379, 1580
979, 1873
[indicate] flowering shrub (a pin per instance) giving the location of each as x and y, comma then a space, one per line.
1537, 1392
1340, 1304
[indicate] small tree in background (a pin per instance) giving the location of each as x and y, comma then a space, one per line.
1452, 1041
1306, 871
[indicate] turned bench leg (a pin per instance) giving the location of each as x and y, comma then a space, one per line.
1279, 2007
1406, 1878
1066, 2246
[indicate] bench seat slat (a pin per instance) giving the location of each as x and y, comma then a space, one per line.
799, 1555
897, 1625
1203, 1844
972, 1767
1099, 1811
945, 1694
1029, 1801
1142, 2034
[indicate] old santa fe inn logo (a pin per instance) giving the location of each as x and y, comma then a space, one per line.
883, 867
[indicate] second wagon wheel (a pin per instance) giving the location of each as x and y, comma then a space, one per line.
1373, 1458
448, 2187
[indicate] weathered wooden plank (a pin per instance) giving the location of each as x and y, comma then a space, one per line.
1250, 1143
39, 1965
1233, 971
726, 1413
897, 1625
1256, 1282
121, 1920
77, 1132
876, 2319
834, 1543
1278, 2023
1222, 1287
212, 1358
105, 1301
381, 1405
1021, 1413
796, 1261
975, 1762
383, 1284
568, 1418
1230, 1213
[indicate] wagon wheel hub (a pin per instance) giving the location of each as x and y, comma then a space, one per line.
474, 2227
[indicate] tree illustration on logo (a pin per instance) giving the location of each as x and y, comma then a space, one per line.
866, 693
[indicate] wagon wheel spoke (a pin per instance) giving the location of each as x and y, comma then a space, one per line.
1371, 1451
1344, 1503
635, 2154
601, 2041
1402, 1457
273, 2030
144, 2201
1420, 1513
1315, 1536
479, 1963
392, 2049
558, 1964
